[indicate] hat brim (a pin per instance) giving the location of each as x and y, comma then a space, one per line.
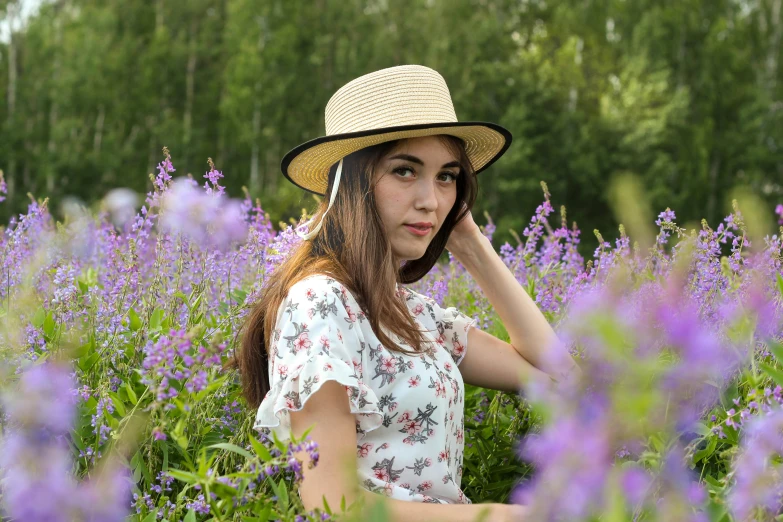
307, 165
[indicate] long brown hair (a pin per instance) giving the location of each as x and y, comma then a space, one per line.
352, 248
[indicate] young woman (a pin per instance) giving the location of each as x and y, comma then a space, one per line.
336, 342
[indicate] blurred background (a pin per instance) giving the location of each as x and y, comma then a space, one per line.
687, 95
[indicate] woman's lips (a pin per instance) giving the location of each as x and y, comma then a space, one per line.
418, 231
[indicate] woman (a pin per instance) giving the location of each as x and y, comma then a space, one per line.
337, 344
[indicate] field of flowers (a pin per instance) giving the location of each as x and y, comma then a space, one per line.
115, 406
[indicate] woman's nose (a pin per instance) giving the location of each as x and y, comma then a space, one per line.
426, 195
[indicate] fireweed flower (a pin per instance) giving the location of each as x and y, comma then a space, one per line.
202, 218
175, 358
758, 480
35, 462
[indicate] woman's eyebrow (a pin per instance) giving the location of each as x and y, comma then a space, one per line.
414, 159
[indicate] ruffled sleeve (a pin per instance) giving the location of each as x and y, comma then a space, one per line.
453, 327
316, 339
450, 325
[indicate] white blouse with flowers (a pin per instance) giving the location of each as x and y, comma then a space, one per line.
408, 408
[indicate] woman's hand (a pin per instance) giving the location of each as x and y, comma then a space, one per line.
464, 233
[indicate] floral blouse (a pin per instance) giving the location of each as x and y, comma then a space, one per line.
408, 408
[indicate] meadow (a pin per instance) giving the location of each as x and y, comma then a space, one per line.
116, 407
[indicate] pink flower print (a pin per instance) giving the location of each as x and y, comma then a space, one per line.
405, 417
418, 309
388, 365
441, 340
302, 342
310, 294
451, 415
459, 436
385, 445
388, 490
410, 365
381, 474
412, 427
445, 479
405, 485
393, 406
428, 462
425, 486
339, 335
311, 313
414, 381
443, 455
440, 390
324, 342
289, 403
454, 387
361, 316
447, 365
328, 367
282, 371
458, 348
351, 315
363, 450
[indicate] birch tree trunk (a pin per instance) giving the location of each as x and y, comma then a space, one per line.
10, 176
51, 144
775, 30
190, 85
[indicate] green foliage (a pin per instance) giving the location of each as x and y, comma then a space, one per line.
682, 95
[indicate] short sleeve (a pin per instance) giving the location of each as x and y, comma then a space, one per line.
452, 326
316, 339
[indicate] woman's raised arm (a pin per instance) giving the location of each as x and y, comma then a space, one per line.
334, 429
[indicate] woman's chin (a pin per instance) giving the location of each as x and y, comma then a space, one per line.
410, 253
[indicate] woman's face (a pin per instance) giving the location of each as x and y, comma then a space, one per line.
416, 188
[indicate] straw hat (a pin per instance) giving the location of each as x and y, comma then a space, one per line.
406, 101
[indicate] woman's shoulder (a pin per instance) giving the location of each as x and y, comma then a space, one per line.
319, 287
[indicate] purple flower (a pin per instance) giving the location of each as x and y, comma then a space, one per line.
758, 480
45, 398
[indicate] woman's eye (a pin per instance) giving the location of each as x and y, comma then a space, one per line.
401, 170
448, 176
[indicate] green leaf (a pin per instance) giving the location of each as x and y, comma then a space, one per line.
773, 372
152, 517
282, 496
182, 440
184, 476
131, 394
86, 363
776, 349
39, 317
780, 284
233, 448
135, 320
706, 452
118, 405
157, 318
260, 449
190, 517
49, 324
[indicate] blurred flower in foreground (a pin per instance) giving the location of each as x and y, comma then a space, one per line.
121, 204
35, 464
757, 471
210, 220
652, 364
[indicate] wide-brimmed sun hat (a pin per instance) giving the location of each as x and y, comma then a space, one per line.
407, 101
